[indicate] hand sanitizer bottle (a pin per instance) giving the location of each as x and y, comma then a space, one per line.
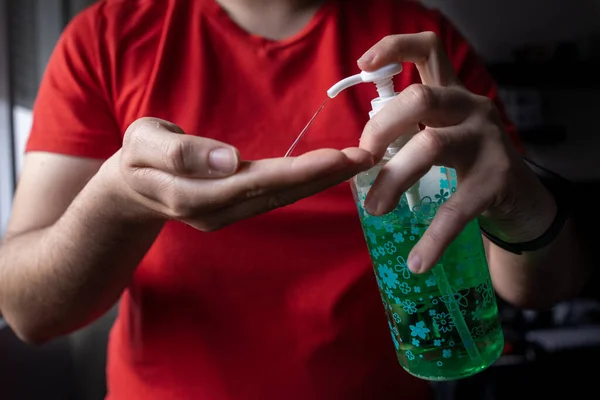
444, 323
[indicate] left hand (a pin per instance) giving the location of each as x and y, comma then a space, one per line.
463, 131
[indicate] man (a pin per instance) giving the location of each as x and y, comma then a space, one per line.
217, 301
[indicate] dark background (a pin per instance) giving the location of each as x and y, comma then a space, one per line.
545, 55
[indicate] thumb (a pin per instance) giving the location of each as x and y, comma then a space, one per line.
161, 145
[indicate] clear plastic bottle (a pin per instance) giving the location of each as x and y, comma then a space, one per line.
444, 323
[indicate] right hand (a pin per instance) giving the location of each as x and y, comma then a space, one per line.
167, 174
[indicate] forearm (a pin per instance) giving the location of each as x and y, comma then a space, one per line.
57, 279
539, 279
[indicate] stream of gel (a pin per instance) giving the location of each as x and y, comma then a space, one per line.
293, 146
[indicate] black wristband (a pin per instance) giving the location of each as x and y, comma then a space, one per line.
560, 189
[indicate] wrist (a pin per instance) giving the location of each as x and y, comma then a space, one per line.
522, 221
541, 222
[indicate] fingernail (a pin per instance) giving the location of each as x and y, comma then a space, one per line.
223, 160
414, 263
367, 57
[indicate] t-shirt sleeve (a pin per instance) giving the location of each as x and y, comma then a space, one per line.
472, 72
72, 113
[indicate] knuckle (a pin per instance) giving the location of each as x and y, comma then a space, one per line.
132, 139
431, 141
489, 108
389, 40
431, 39
175, 155
486, 121
450, 211
134, 131
422, 95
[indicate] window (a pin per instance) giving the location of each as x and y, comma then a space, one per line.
6, 136
29, 30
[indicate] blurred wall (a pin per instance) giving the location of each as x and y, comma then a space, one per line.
569, 91
497, 27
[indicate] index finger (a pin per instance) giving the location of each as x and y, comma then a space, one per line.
262, 177
252, 180
423, 49
417, 104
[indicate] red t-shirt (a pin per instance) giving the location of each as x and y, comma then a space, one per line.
280, 306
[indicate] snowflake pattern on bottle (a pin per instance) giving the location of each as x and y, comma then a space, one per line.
421, 318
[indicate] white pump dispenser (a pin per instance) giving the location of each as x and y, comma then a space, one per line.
383, 80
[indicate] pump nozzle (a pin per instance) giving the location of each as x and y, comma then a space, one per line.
383, 80
381, 77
